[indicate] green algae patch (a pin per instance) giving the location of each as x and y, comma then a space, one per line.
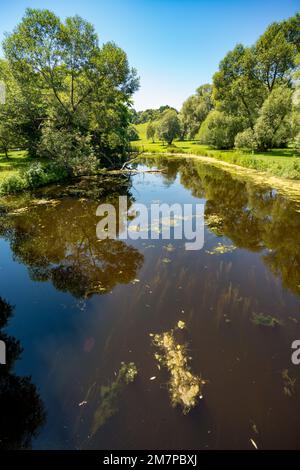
185, 388
260, 319
221, 249
110, 395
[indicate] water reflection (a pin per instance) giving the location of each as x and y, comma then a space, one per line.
227, 301
21, 409
56, 239
252, 217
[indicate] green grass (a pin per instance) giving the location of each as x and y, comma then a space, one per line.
279, 162
17, 160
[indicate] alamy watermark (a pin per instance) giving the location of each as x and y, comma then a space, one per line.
2, 92
157, 221
2, 352
296, 354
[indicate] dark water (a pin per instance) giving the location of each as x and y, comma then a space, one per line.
80, 307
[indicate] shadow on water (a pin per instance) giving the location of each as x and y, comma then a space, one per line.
22, 412
55, 238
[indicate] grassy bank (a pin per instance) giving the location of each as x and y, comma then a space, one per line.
19, 172
278, 162
17, 160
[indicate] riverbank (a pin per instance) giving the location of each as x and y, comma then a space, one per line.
287, 187
284, 163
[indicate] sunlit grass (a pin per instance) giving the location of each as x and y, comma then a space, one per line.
278, 162
17, 160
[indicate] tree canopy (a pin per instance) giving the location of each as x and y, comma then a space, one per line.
66, 82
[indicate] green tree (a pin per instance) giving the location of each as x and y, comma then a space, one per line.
6, 138
236, 90
81, 86
151, 130
245, 140
169, 127
274, 57
273, 127
195, 109
247, 75
133, 134
219, 129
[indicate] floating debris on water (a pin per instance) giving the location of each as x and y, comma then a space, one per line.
265, 320
82, 403
214, 222
221, 249
185, 387
288, 383
181, 325
110, 394
254, 444
169, 247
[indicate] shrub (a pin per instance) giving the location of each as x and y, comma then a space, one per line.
132, 134
13, 184
69, 149
219, 130
245, 140
39, 175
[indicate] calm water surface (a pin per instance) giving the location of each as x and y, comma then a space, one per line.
80, 307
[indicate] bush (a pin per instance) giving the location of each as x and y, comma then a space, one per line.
13, 184
39, 175
219, 130
245, 140
69, 149
132, 134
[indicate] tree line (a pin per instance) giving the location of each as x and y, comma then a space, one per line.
252, 102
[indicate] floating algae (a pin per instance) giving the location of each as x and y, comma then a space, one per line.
221, 249
110, 394
265, 320
169, 247
185, 388
214, 222
288, 383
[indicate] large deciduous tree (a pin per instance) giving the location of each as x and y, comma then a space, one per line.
195, 109
81, 87
169, 127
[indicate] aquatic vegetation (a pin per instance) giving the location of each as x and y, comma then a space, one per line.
265, 320
214, 222
221, 249
185, 388
288, 383
169, 247
166, 260
110, 395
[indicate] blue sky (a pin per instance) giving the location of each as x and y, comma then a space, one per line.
176, 45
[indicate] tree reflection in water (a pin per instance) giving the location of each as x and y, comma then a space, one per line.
256, 218
21, 409
56, 239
